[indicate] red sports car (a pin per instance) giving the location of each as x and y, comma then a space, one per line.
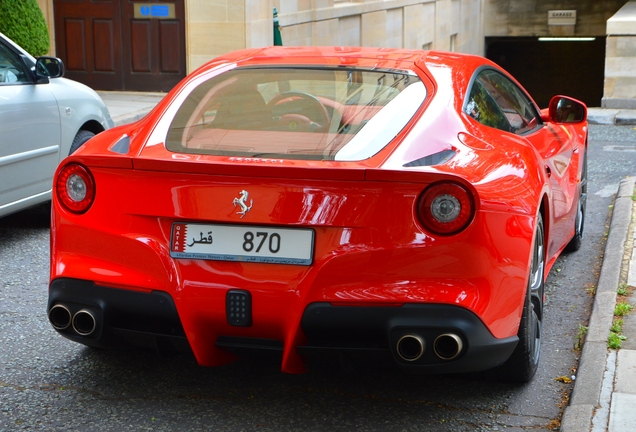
316, 201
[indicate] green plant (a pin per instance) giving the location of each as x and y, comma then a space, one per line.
622, 289
23, 22
578, 344
617, 326
622, 309
615, 340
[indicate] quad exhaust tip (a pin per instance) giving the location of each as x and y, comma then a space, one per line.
411, 347
448, 346
84, 322
60, 317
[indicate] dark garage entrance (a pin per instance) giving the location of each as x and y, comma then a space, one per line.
545, 69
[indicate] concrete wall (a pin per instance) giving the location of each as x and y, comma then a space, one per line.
620, 59
530, 17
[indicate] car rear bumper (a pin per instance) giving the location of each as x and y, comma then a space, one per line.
121, 317
423, 338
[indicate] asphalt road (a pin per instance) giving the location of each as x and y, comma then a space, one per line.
50, 383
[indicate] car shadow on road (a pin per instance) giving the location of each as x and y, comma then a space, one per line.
34, 217
144, 374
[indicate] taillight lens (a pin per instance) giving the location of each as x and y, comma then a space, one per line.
446, 208
75, 188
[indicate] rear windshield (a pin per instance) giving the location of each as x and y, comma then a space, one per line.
294, 113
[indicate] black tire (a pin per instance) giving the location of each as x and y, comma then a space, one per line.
79, 140
579, 221
524, 361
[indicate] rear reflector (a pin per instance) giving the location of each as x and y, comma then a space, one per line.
238, 308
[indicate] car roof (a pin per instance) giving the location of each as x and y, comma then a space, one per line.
432, 63
338, 56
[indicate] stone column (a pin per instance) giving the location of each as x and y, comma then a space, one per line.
620, 59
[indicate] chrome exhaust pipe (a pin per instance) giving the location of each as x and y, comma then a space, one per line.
60, 317
84, 322
410, 347
448, 346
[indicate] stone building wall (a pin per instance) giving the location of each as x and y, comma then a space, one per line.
215, 27
47, 10
620, 59
436, 24
218, 26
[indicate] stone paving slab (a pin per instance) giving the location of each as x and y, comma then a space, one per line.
631, 277
626, 373
622, 413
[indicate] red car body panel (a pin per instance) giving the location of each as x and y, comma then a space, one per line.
370, 247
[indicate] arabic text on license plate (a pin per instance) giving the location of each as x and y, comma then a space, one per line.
242, 243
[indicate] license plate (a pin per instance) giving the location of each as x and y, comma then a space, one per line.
246, 243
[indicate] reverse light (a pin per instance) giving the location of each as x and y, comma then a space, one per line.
75, 188
445, 208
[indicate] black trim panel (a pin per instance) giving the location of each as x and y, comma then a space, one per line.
376, 331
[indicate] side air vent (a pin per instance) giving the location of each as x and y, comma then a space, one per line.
122, 145
431, 160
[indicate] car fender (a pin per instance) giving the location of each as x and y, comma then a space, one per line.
80, 108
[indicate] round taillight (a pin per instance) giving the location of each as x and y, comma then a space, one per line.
75, 188
446, 208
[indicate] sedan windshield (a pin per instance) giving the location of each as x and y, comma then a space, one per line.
296, 113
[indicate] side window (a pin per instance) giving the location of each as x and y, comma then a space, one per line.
482, 107
518, 110
11, 68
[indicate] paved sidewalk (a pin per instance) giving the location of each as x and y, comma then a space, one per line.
127, 107
608, 116
604, 395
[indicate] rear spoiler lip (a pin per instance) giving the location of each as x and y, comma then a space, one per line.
273, 170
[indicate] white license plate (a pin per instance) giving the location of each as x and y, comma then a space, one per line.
244, 243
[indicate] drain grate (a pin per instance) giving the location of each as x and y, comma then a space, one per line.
238, 308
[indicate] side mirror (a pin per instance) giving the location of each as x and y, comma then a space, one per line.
48, 67
564, 109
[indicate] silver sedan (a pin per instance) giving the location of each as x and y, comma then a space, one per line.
43, 119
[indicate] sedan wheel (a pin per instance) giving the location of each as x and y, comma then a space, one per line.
523, 363
79, 140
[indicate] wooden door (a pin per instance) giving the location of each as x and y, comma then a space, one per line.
154, 44
88, 40
121, 44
